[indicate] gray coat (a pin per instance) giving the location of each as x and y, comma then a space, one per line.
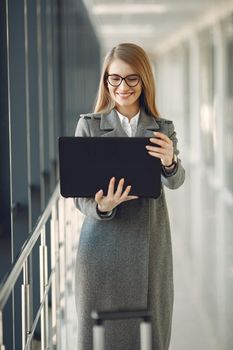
125, 261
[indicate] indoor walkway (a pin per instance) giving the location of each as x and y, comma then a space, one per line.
51, 53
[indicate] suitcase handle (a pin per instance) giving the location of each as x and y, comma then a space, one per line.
100, 316
145, 327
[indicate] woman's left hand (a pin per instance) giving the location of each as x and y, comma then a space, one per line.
165, 152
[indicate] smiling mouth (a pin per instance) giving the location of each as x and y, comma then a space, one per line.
124, 95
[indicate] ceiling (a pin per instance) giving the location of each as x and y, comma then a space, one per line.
148, 23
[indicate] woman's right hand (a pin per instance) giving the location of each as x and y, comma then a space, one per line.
107, 203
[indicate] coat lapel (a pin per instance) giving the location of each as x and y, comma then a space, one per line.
110, 123
146, 125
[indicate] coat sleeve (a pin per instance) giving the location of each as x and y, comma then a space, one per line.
88, 206
176, 178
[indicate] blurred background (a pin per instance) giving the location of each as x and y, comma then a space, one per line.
51, 53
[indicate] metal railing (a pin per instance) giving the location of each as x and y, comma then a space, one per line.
64, 221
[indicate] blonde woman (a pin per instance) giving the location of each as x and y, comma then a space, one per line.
124, 259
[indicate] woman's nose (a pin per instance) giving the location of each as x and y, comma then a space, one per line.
123, 85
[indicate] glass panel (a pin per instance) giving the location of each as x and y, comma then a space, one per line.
207, 91
186, 82
228, 122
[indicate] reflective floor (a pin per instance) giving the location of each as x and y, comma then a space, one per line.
201, 221
201, 218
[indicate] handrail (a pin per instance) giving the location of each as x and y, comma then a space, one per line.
27, 345
59, 220
11, 277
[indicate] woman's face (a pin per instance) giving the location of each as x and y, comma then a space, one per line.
125, 97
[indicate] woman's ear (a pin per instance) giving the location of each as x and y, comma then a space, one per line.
106, 84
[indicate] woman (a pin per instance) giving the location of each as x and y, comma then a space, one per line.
124, 259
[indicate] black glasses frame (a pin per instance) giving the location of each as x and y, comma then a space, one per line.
130, 75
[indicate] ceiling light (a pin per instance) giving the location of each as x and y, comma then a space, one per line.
127, 29
108, 9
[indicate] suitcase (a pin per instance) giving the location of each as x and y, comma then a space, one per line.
99, 317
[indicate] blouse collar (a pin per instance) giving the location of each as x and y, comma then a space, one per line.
133, 120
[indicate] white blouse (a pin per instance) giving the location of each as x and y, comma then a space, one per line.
129, 126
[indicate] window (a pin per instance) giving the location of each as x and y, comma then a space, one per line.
228, 115
207, 98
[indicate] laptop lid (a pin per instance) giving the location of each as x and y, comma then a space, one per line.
86, 165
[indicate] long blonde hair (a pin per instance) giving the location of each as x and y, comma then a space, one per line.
137, 58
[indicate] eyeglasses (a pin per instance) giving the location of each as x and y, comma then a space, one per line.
116, 80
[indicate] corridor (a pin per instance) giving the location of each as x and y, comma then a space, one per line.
51, 53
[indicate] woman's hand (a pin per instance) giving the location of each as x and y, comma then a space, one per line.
165, 152
107, 203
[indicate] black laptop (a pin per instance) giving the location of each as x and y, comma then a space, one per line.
88, 163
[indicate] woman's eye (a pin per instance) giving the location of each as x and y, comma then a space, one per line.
115, 78
132, 78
